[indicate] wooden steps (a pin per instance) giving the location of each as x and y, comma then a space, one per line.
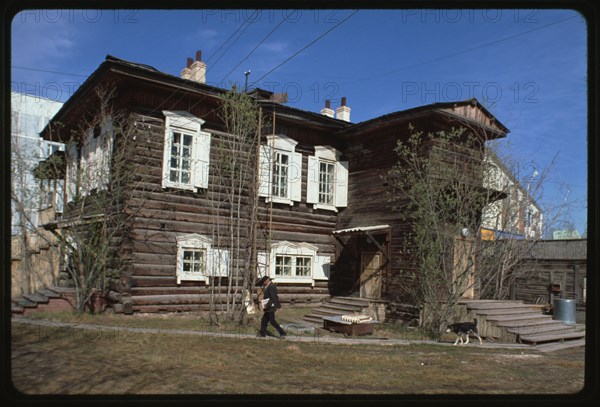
554, 346
535, 329
534, 339
30, 302
340, 306
524, 323
36, 298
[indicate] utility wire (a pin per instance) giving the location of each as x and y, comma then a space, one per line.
256, 47
309, 44
44, 70
245, 22
510, 37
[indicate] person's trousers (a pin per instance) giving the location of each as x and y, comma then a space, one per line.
269, 317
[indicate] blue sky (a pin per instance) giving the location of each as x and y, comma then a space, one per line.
528, 67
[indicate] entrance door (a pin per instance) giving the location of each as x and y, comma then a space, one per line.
370, 275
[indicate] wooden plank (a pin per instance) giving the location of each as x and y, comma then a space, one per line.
551, 347
551, 337
36, 298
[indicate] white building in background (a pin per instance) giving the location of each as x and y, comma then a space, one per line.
29, 115
518, 215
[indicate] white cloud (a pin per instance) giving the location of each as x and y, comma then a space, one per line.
275, 46
39, 42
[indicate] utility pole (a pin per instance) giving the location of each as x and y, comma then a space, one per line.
247, 73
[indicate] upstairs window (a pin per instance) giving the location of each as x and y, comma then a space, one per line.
280, 173
180, 167
186, 153
327, 184
280, 177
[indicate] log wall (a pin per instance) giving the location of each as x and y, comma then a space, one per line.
540, 273
149, 284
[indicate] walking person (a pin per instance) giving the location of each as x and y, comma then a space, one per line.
270, 305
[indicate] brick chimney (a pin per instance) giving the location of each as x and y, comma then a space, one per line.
327, 111
343, 112
195, 70
187, 72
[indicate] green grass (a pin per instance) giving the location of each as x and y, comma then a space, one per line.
47, 360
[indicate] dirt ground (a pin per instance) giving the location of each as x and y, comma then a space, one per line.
48, 360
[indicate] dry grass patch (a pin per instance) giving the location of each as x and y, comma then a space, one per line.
66, 361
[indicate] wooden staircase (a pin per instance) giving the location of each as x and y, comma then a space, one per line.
346, 305
514, 321
45, 299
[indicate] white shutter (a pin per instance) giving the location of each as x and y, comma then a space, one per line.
220, 263
262, 266
71, 182
312, 181
341, 187
166, 154
321, 268
201, 159
264, 173
295, 177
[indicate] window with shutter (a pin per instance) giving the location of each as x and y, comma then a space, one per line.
186, 156
280, 170
290, 262
198, 260
327, 183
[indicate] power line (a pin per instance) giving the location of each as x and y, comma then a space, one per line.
309, 44
174, 93
231, 36
47, 71
258, 45
458, 53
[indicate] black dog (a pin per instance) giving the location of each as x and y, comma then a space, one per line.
464, 328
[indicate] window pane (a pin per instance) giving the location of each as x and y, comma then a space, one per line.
193, 261
185, 177
326, 178
283, 266
303, 266
280, 175
181, 158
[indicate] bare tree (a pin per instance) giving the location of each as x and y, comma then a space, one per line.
233, 192
101, 182
444, 189
437, 187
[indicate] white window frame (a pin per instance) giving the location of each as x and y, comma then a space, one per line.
95, 159
216, 261
277, 145
319, 265
186, 123
327, 155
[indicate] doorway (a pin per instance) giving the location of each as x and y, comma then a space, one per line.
370, 275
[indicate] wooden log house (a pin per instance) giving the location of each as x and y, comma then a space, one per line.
321, 195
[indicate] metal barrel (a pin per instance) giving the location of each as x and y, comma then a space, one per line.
564, 310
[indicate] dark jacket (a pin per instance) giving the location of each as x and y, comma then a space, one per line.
271, 294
